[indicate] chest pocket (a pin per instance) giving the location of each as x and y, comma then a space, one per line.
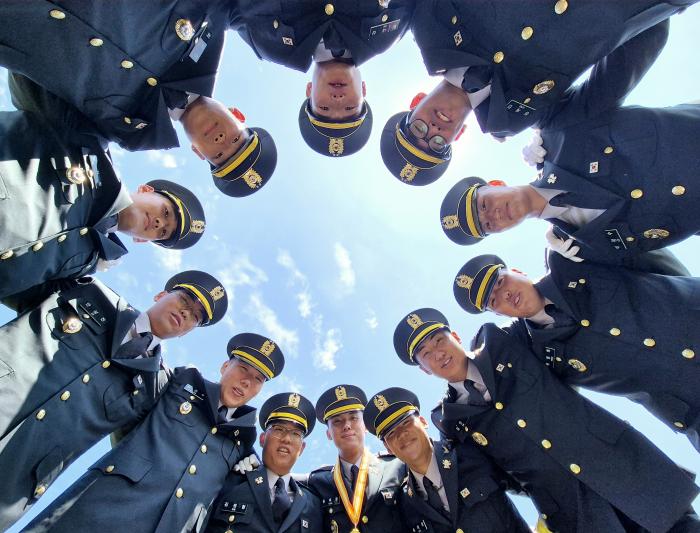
477, 491
234, 513
635, 139
181, 405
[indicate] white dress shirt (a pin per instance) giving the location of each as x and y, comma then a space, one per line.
474, 375
272, 479
455, 77
433, 474
541, 317
229, 412
576, 216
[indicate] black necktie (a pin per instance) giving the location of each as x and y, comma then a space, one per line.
175, 99
476, 78
281, 502
337, 52
221, 418
433, 496
106, 224
135, 347
475, 397
353, 477
559, 316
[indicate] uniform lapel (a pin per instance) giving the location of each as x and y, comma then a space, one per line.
447, 463
422, 506
213, 391
126, 316
374, 481
259, 486
547, 286
297, 506
482, 361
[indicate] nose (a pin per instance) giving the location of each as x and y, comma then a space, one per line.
220, 138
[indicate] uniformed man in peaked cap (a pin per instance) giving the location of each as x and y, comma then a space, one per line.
361, 491
64, 203
267, 499
603, 328
170, 468
508, 63
335, 120
83, 364
447, 488
584, 469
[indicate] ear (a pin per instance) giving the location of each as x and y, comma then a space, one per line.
308, 90
237, 113
388, 447
139, 240
144, 187
328, 434
416, 100
224, 366
456, 337
364, 89
303, 445
159, 295
519, 271
461, 131
423, 421
497, 183
262, 439
198, 153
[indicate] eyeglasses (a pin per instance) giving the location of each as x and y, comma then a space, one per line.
419, 129
280, 432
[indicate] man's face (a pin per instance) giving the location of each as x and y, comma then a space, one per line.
282, 444
336, 91
515, 295
501, 208
150, 217
442, 355
215, 133
174, 314
347, 431
444, 111
409, 440
240, 383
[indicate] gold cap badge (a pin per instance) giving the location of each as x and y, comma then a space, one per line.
197, 226
450, 222
408, 172
380, 402
217, 292
293, 400
464, 281
414, 320
340, 393
267, 348
336, 146
252, 179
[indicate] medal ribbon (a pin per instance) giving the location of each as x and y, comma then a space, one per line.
354, 509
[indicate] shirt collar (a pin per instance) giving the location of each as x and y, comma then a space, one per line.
142, 324
272, 479
433, 474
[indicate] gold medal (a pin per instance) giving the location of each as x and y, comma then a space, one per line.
355, 530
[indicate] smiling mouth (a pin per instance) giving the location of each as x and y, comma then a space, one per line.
442, 116
211, 128
337, 84
175, 318
237, 392
148, 222
516, 300
283, 450
447, 362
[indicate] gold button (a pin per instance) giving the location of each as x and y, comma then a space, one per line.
127, 120
105, 364
582, 280
527, 33
688, 353
546, 444
329, 9
86, 378
679, 425
109, 469
127, 64
38, 246
649, 343
179, 493
499, 406
232, 518
96, 41
192, 469
498, 57
637, 194
576, 469
678, 190
558, 359
585, 323
61, 238
365, 519
213, 431
7, 254
510, 365
521, 423
152, 82
561, 6
57, 14
454, 19
275, 24
527, 100
385, 18
135, 393
629, 239
459, 530
65, 395
608, 150
40, 414
39, 491
615, 332
83, 231
203, 448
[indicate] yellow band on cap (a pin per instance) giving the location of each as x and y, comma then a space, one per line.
422, 335
470, 213
181, 207
243, 155
199, 296
482, 286
394, 416
343, 409
289, 416
335, 125
254, 362
415, 151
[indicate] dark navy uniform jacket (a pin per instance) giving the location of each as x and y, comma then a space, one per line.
531, 52
64, 388
166, 472
121, 64
288, 31
380, 511
577, 462
638, 164
244, 506
640, 340
474, 491
48, 222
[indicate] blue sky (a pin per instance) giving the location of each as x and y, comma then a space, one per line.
331, 253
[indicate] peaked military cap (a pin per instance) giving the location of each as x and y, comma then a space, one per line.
189, 215
388, 408
205, 289
334, 138
459, 212
338, 400
288, 407
246, 171
414, 328
475, 281
407, 162
257, 351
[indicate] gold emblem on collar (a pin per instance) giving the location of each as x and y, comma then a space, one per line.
217, 292
380, 402
267, 348
185, 408
336, 146
197, 226
341, 393
252, 179
72, 325
259, 480
450, 222
184, 29
480, 439
408, 172
446, 464
294, 400
464, 281
414, 320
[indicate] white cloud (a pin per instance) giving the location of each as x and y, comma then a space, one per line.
346, 272
287, 383
326, 351
287, 339
240, 272
170, 260
305, 302
162, 158
371, 320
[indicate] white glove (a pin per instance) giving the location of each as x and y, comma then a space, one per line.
246, 464
103, 265
563, 247
534, 153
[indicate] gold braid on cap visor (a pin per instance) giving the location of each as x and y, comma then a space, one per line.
255, 362
422, 335
181, 209
393, 416
226, 170
202, 299
479, 303
473, 230
291, 417
420, 154
335, 125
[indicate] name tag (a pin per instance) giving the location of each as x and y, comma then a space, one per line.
616, 241
200, 41
387, 27
519, 108
549, 355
